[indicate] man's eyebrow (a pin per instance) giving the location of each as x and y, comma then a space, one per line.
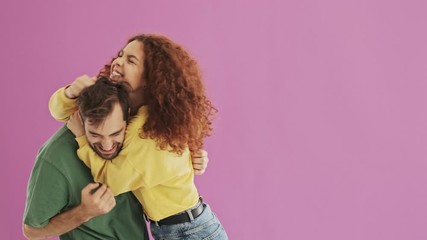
94, 133
114, 133
117, 132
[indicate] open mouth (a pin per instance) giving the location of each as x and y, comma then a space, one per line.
116, 75
106, 151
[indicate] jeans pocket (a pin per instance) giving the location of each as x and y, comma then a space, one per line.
212, 229
216, 233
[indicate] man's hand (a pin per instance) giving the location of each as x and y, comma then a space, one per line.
82, 82
97, 200
200, 161
75, 124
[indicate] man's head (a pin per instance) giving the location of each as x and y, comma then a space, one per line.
104, 110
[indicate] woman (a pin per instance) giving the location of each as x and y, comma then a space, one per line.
146, 62
176, 115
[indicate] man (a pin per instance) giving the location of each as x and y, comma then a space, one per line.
60, 199
63, 200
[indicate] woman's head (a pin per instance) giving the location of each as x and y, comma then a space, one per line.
170, 85
128, 65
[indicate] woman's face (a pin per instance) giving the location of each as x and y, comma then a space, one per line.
129, 65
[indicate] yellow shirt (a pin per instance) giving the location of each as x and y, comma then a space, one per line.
60, 106
163, 181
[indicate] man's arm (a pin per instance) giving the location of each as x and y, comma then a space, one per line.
92, 205
58, 225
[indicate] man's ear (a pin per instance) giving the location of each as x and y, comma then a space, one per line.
81, 119
128, 117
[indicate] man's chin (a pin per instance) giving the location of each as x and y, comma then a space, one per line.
108, 156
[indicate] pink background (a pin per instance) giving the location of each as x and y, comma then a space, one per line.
321, 132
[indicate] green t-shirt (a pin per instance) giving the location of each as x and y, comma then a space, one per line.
55, 186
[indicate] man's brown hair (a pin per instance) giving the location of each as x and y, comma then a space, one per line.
96, 102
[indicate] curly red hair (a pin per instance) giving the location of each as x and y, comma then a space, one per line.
179, 112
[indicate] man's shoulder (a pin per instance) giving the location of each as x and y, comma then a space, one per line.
59, 154
61, 143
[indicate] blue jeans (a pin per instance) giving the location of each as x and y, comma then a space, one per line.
205, 226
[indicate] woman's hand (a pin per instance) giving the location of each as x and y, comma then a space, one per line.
82, 82
200, 161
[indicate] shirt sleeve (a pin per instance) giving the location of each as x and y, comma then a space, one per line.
60, 106
47, 195
91, 159
118, 174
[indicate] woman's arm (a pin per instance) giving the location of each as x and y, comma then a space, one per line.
63, 102
119, 175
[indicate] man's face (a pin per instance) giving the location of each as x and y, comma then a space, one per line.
107, 138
